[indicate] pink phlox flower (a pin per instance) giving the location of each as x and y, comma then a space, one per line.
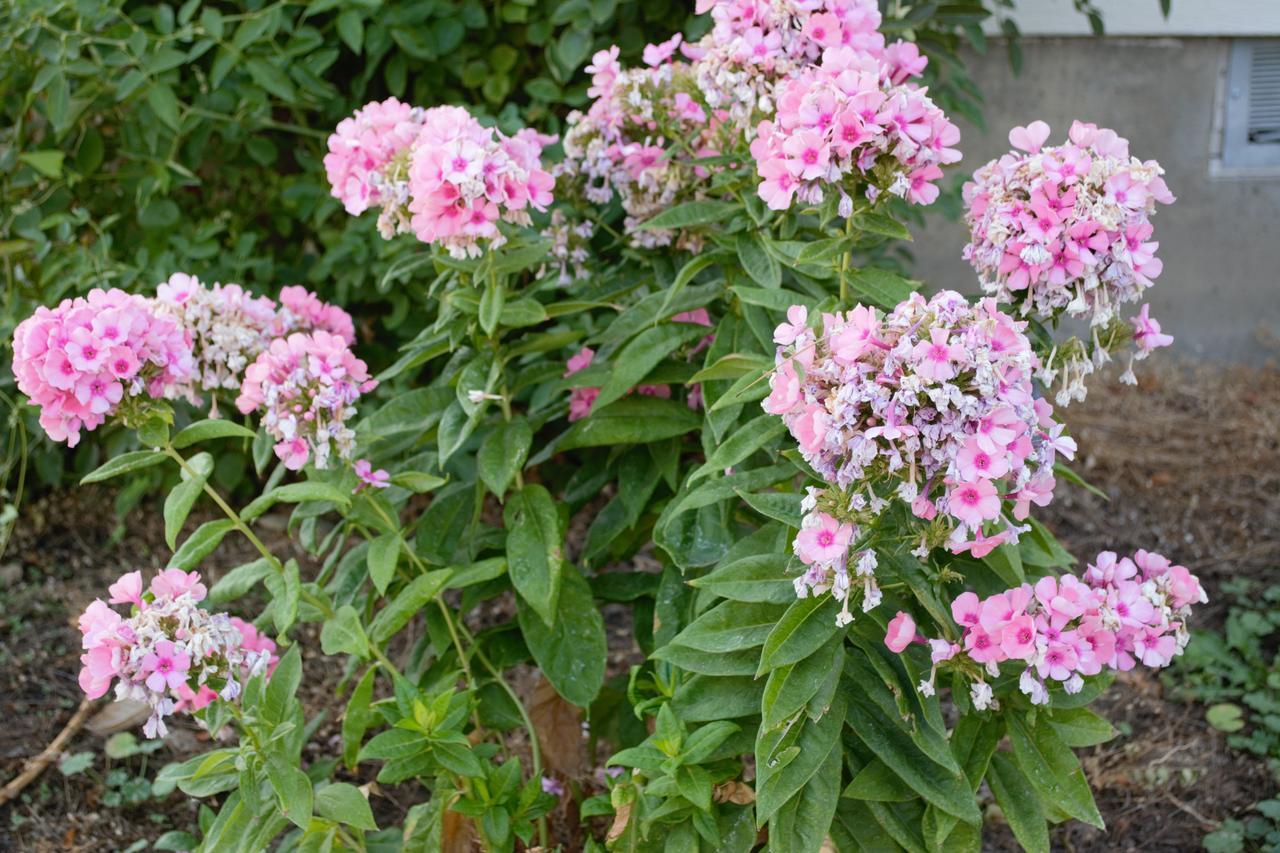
855, 335
1146, 332
825, 541
166, 666
901, 632
1029, 138
127, 590
973, 503
368, 477
171, 583
795, 326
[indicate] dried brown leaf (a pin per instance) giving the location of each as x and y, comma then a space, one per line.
559, 728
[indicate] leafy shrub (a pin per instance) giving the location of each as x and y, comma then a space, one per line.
1237, 674
594, 363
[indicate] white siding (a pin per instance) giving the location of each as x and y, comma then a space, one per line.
1143, 18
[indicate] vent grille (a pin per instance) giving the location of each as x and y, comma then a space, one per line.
1250, 110
1264, 95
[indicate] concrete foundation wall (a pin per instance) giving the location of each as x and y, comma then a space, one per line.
1219, 294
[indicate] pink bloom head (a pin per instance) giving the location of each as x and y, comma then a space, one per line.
171, 583
79, 361
901, 633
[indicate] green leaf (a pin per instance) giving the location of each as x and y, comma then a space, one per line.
296, 493
351, 29
384, 554
210, 429
272, 78
689, 214
734, 365
757, 578
124, 463
741, 443
285, 591
344, 803
293, 789
177, 506
409, 601
343, 634
703, 698
164, 103
802, 823
358, 717
1006, 562
1225, 717
534, 557
491, 304
1053, 769
642, 353
893, 745
878, 223
806, 626
787, 758
571, 652
502, 453
780, 506
778, 300
47, 163
283, 685
791, 687
631, 420
1016, 799
763, 267
881, 287
201, 543
730, 626
1080, 727
417, 481
877, 782
239, 581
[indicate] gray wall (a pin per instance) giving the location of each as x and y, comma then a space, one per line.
1219, 294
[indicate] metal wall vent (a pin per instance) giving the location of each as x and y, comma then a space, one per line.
1251, 120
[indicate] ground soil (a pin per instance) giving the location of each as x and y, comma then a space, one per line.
1190, 462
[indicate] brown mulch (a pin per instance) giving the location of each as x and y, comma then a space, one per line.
1190, 460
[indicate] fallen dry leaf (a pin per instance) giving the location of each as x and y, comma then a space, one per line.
559, 728
734, 792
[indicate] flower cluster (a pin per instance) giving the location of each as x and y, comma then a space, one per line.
847, 122
307, 385
1124, 612
773, 73
303, 311
1066, 230
228, 326
79, 362
464, 177
366, 163
641, 140
570, 247
931, 404
168, 653
755, 44
437, 173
